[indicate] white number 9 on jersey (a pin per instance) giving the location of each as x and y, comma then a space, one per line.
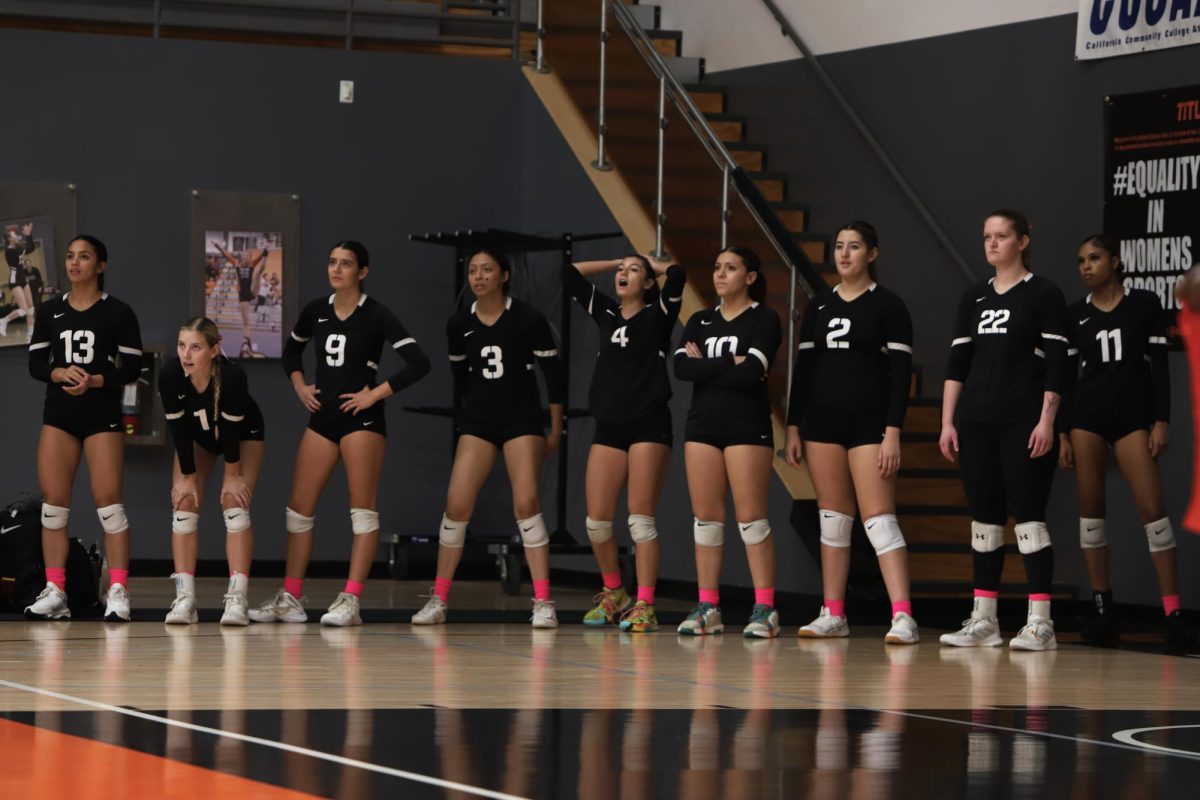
335, 349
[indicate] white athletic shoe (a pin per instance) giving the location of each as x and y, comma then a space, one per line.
825, 626
433, 613
543, 614
236, 612
704, 618
1038, 634
904, 630
183, 610
343, 613
50, 604
3, 327
282, 607
764, 623
116, 604
977, 631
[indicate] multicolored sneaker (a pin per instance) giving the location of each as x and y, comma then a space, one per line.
640, 618
764, 623
704, 618
610, 603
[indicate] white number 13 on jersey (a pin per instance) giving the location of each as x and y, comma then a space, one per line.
83, 350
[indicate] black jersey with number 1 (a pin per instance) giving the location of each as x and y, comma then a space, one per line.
195, 416
630, 379
349, 350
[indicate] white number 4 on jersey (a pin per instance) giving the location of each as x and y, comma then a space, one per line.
621, 336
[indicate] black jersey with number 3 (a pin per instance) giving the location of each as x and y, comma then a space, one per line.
854, 356
1008, 350
630, 379
727, 396
195, 417
1120, 358
493, 365
348, 350
103, 339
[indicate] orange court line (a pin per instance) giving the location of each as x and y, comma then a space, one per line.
40, 763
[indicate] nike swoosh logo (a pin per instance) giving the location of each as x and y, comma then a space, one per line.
8, 528
1157, 532
872, 525
114, 425
257, 431
182, 396
322, 319
365, 424
181, 519
1084, 321
56, 316
468, 333
1092, 529
104, 517
447, 528
746, 527
980, 300
765, 436
706, 322
819, 308
527, 530
829, 516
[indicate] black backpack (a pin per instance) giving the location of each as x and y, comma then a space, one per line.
22, 570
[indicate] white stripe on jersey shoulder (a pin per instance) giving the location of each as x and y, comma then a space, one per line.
133, 351
104, 295
372, 365
231, 417
1053, 336
1027, 278
901, 346
545, 353
300, 339
806, 345
754, 351
403, 343
961, 340
39, 345
457, 358
176, 415
362, 299
662, 303
677, 352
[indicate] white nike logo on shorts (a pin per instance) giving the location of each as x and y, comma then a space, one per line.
365, 424
8, 528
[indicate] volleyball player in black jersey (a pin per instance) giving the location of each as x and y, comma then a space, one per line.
632, 444
850, 390
249, 273
1120, 399
726, 352
86, 346
17, 245
207, 402
494, 346
348, 330
1004, 384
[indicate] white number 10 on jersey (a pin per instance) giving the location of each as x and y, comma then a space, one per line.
722, 346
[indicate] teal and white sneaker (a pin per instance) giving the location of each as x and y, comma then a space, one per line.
764, 623
704, 618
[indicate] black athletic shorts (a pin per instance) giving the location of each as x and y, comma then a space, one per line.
1114, 429
81, 426
761, 435
254, 428
244, 293
999, 477
17, 277
334, 424
654, 428
497, 432
844, 427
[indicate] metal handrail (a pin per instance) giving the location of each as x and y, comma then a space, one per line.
790, 32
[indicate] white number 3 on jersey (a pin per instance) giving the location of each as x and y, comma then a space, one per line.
495, 361
621, 336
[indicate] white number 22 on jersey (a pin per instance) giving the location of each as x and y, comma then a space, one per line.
839, 327
621, 336
495, 361
335, 349
722, 346
1105, 337
991, 320
79, 347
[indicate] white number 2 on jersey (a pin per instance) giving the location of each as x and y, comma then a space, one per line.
991, 320
722, 346
79, 347
495, 361
1105, 337
335, 349
621, 336
839, 328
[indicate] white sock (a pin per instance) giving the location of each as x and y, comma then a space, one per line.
184, 583
1039, 608
238, 583
985, 607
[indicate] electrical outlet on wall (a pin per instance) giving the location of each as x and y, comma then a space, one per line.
346, 92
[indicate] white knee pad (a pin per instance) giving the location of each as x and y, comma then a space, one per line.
236, 520
598, 530
1091, 533
642, 528
1032, 537
364, 520
755, 532
112, 518
835, 528
986, 538
185, 522
708, 533
884, 533
1160, 535
451, 533
55, 517
533, 532
298, 523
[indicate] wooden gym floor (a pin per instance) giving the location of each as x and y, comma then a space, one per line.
89, 709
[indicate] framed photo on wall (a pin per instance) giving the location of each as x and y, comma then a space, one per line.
36, 222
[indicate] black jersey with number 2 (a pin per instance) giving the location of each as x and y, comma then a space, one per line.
195, 417
348, 350
103, 339
1120, 358
630, 379
1009, 349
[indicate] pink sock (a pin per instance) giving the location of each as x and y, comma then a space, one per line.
441, 588
837, 608
57, 576
120, 576
612, 580
541, 590
293, 586
353, 587
712, 596
764, 597
902, 605
994, 594
1170, 603
646, 594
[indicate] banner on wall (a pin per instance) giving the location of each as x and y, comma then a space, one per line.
1119, 27
1152, 196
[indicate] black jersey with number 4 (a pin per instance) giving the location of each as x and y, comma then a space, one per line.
630, 379
195, 417
348, 350
853, 356
104, 339
728, 397
1120, 358
493, 365
1009, 349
